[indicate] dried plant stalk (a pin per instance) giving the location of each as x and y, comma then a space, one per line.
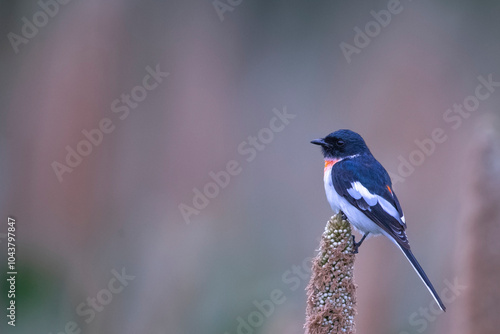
331, 293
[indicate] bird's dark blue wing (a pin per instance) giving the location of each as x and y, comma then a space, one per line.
366, 185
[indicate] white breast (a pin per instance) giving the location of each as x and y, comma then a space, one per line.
331, 195
357, 218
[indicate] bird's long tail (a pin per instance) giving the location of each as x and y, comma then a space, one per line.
409, 255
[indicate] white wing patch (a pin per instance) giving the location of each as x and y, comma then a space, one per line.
388, 207
359, 191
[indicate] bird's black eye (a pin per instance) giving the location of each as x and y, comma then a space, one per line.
340, 142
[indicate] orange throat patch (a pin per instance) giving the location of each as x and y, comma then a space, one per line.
329, 164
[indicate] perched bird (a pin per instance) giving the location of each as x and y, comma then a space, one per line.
358, 185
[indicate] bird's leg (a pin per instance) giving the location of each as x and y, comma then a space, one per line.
357, 244
344, 217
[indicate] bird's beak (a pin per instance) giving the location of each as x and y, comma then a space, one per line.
320, 142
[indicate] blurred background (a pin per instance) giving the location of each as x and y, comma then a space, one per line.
118, 117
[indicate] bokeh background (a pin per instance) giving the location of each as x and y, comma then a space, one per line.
229, 68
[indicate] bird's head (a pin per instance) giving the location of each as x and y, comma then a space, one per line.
341, 144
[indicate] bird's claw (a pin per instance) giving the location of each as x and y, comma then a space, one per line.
355, 245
